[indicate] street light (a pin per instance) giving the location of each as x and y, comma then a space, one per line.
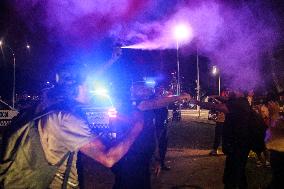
182, 33
215, 71
14, 72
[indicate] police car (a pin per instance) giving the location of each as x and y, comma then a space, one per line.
101, 114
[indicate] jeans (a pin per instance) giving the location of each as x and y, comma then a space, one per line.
235, 165
162, 138
218, 135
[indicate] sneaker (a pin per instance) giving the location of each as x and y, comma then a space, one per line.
267, 164
258, 163
213, 153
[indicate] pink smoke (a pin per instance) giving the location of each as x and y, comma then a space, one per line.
233, 37
79, 21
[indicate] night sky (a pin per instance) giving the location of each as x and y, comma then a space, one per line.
238, 36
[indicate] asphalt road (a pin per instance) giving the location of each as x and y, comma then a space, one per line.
190, 142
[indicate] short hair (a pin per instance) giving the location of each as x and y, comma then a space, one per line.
71, 73
136, 90
68, 77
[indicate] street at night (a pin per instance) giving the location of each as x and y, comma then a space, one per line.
188, 157
141, 94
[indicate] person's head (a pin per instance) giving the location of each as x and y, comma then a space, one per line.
141, 91
71, 82
237, 93
160, 90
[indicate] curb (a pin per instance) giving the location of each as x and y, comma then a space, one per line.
196, 119
203, 121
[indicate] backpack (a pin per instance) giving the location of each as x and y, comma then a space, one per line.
257, 130
23, 163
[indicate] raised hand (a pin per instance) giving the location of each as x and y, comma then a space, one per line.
116, 54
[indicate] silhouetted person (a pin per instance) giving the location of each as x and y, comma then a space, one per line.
133, 170
235, 143
161, 123
275, 145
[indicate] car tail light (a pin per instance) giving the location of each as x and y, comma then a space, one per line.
112, 113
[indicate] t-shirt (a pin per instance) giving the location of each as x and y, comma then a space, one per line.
161, 116
236, 130
61, 132
220, 117
144, 146
142, 150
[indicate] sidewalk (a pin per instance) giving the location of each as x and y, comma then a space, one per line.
200, 120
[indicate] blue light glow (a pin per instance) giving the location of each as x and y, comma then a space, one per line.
100, 91
150, 82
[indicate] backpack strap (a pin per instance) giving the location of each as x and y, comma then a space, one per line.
68, 170
42, 115
70, 154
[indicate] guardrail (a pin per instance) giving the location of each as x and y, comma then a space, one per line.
6, 116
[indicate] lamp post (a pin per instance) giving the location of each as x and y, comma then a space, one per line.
181, 33
14, 79
197, 81
215, 71
14, 73
178, 74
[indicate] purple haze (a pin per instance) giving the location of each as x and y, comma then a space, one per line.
235, 38
79, 22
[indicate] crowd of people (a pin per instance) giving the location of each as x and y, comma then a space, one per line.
237, 118
62, 131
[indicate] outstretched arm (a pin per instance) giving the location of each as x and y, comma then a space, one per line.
211, 106
161, 102
108, 157
222, 99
